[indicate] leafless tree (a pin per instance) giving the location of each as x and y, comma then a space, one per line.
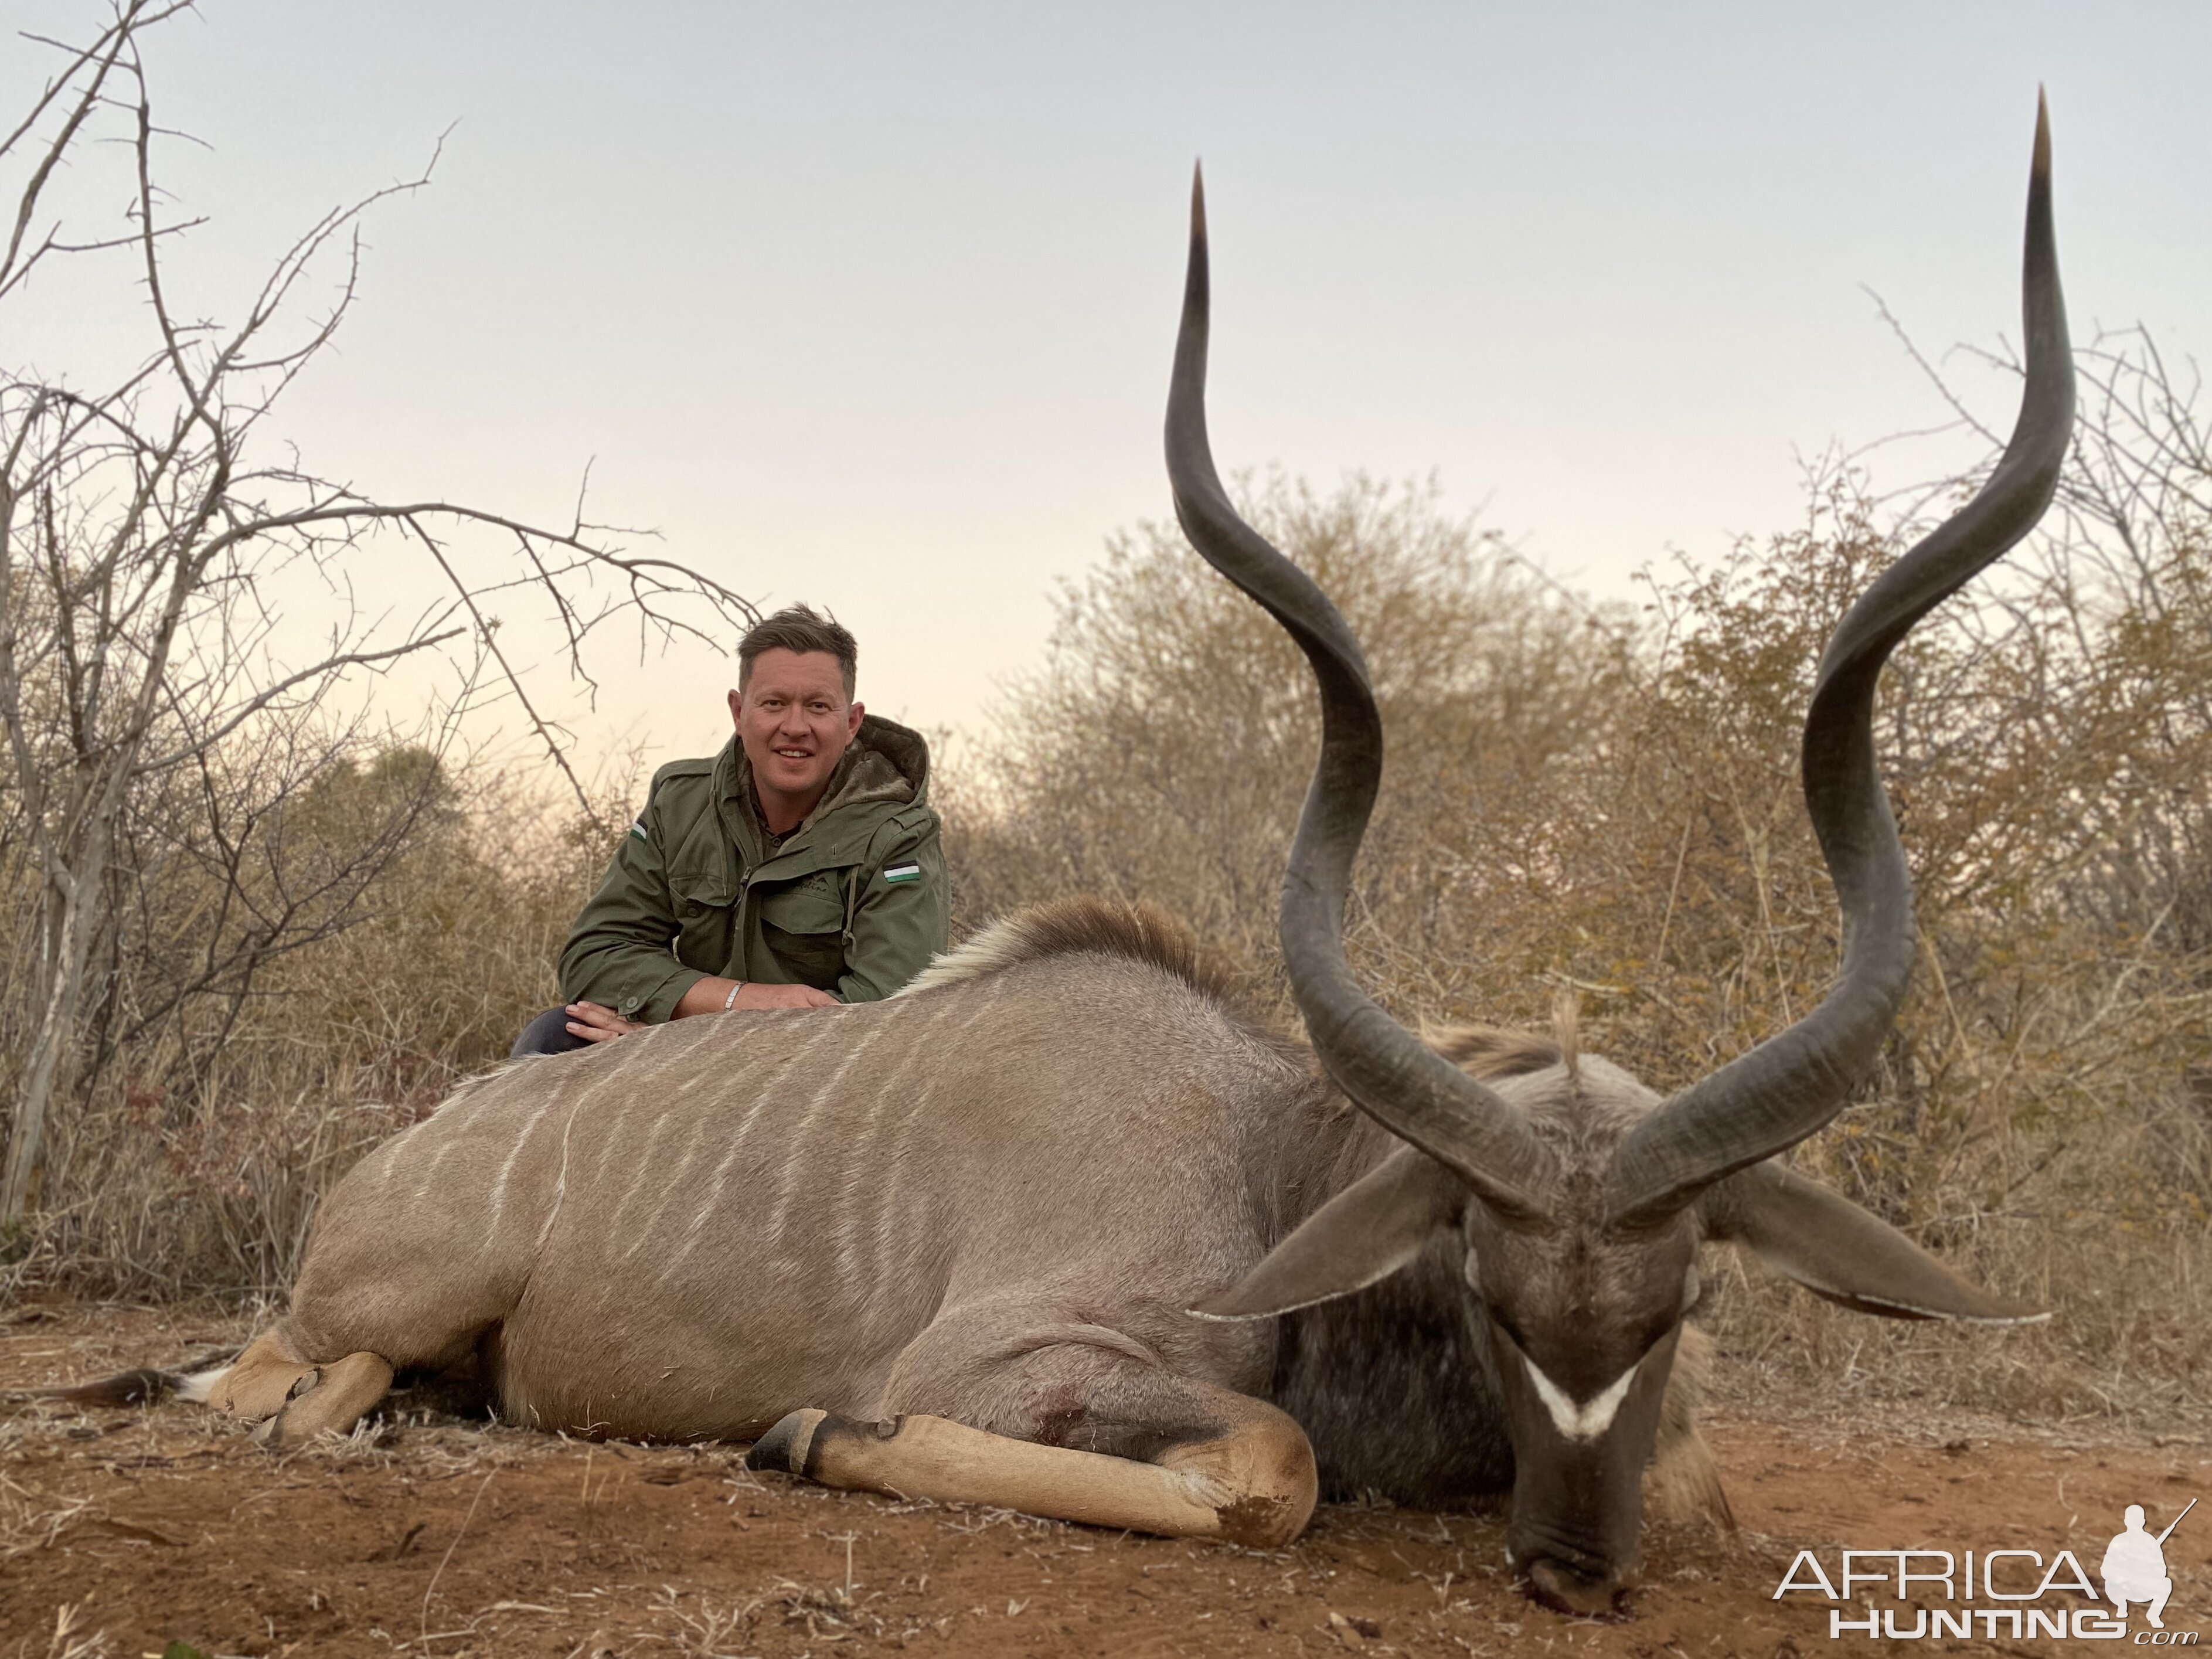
2124, 563
156, 540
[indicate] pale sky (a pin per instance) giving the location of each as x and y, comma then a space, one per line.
872, 305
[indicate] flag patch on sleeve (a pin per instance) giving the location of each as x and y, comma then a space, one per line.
638, 829
903, 872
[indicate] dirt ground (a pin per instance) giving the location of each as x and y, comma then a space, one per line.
124, 1530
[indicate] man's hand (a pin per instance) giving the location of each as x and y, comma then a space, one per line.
708, 996
596, 1024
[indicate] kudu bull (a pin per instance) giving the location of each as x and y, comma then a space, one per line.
951, 1245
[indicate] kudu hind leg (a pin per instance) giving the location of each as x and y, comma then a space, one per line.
290, 1399
1175, 1456
261, 1379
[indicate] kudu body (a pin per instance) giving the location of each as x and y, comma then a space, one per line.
950, 1244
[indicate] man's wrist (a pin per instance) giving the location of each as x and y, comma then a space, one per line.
705, 994
731, 1000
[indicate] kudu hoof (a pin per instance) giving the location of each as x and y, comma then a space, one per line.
785, 1448
1563, 1589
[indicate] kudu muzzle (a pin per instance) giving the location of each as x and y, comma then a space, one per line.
1578, 1511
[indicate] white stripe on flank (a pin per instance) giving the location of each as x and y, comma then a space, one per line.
890, 1212
764, 1088
644, 1167
1594, 1416
706, 1207
891, 1218
786, 1186
996, 985
849, 1201
402, 1150
506, 1168
607, 1127
445, 1149
560, 1186
670, 1191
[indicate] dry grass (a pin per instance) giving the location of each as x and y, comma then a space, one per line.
69, 1639
32, 1520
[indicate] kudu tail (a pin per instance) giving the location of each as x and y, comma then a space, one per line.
143, 1387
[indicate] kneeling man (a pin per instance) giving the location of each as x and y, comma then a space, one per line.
796, 869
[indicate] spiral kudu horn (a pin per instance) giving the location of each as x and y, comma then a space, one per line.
1387, 1071
1790, 1085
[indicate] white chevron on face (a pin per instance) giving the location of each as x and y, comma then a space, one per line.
1594, 1416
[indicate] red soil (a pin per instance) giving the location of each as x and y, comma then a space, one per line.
434, 1537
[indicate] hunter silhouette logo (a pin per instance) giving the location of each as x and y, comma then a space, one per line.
2134, 1568
1995, 1592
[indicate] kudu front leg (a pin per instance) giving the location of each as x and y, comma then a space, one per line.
1223, 1466
1255, 1489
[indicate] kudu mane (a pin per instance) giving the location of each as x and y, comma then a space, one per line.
1490, 1053
1089, 925
1081, 926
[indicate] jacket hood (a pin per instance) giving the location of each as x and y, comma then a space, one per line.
885, 763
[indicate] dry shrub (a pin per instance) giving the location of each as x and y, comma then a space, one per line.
1608, 803
1163, 751
283, 997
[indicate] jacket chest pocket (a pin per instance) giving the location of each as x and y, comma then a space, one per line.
706, 907
803, 926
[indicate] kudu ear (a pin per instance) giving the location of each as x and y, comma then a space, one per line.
1817, 1236
1366, 1232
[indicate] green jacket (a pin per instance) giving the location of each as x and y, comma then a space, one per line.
695, 889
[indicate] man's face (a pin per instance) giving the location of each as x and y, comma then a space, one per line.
795, 721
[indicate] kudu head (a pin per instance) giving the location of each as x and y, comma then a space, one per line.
1582, 1198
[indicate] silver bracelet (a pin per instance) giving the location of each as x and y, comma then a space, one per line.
731, 1000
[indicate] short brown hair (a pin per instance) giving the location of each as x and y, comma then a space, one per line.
798, 628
